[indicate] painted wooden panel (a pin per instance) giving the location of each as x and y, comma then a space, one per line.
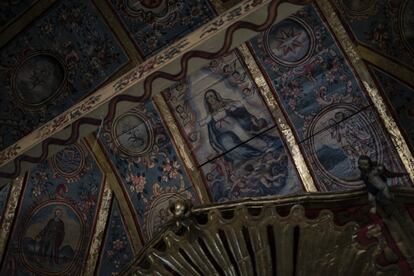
155, 24
230, 132
323, 98
401, 99
10, 10
307, 69
383, 25
117, 250
55, 62
148, 167
269, 172
333, 153
56, 216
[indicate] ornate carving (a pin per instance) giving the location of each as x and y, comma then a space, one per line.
253, 238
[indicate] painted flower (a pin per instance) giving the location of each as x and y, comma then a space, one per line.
109, 253
330, 77
137, 182
37, 191
170, 169
41, 176
47, 28
118, 244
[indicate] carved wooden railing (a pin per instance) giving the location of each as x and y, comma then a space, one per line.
294, 235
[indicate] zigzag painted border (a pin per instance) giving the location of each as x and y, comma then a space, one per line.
229, 22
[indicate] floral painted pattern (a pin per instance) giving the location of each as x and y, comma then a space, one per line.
4, 195
58, 60
383, 25
10, 10
401, 98
156, 25
117, 250
147, 164
54, 210
323, 99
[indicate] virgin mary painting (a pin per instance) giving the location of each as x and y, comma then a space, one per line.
229, 124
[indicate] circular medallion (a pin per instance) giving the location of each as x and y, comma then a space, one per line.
38, 79
290, 42
158, 213
69, 161
339, 135
51, 239
358, 7
133, 134
137, 5
407, 24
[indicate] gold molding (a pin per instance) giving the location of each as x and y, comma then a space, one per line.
10, 212
182, 149
221, 7
120, 33
209, 38
99, 233
281, 121
97, 150
17, 25
310, 246
389, 66
365, 77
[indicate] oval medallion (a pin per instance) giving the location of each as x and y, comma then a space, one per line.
158, 213
290, 42
52, 239
38, 79
133, 134
339, 135
69, 161
407, 25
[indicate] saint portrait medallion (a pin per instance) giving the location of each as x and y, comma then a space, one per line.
133, 134
51, 239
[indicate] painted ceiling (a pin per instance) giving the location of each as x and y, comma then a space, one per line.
286, 112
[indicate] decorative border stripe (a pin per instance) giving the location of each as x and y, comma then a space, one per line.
10, 212
366, 79
99, 233
97, 150
142, 78
397, 70
183, 150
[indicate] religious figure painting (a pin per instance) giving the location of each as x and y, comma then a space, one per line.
334, 152
323, 98
381, 26
52, 237
227, 127
56, 216
218, 108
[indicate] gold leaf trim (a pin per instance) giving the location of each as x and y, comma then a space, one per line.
116, 187
362, 71
281, 121
10, 212
182, 149
99, 233
389, 66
